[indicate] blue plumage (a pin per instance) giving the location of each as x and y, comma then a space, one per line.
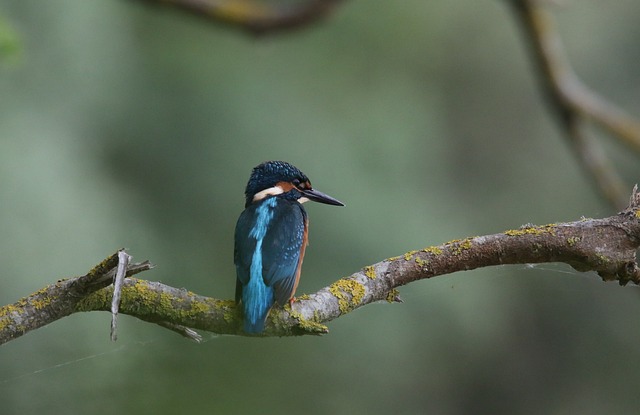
270, 239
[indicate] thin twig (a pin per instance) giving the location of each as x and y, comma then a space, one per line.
121, 271
182, 330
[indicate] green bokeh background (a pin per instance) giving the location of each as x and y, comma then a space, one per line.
125, 125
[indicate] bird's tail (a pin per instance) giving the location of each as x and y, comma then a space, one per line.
257, 300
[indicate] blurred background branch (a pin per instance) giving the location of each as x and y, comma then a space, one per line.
574, 103
256, 16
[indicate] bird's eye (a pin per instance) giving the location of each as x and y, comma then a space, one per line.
296, 182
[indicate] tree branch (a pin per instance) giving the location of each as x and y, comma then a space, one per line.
255, 16
574, 103
60, 299
607, 246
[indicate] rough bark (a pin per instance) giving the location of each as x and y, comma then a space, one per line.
607, 246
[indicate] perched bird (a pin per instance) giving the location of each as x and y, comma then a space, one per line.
270, 239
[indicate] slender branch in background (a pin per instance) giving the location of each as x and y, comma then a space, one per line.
607, 246
575, 103
255, 16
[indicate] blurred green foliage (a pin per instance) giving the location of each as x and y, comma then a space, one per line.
124, 125
9, 42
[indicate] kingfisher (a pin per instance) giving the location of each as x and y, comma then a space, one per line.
271, 238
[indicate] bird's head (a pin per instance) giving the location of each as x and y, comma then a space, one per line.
273, 178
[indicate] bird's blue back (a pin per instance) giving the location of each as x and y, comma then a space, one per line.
270, 238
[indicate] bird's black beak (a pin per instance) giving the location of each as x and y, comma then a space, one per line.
320, 197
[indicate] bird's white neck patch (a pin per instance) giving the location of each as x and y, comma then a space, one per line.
272, 191
303, 199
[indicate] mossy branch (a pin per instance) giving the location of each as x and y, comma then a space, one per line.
59, 300
607, 246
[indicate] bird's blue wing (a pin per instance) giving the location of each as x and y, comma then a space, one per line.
282, 248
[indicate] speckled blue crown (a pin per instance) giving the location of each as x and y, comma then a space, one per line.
268, 174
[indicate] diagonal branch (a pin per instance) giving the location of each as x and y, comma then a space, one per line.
574, 103
607, 246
